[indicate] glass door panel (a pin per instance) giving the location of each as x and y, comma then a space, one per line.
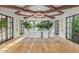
10, 28
4, 38
72, 28
0, 38
21, 27
4, 28
76, 29
57, 27
69, 32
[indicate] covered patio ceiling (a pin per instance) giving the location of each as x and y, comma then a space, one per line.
38, 10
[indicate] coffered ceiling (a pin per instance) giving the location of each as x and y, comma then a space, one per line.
38, 10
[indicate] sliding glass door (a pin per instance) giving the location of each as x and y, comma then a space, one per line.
6, 28
72, 28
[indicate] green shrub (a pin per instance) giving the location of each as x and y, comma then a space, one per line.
76, 24
44, 25
27, 25
2, 22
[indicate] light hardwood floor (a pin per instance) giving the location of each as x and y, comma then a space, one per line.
55, 45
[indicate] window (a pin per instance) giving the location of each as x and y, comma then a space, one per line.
6, 28
57, 27
34, 23
21, 27
10, 27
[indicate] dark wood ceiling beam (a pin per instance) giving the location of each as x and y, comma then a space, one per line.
11, 7
65, 7
50, 6
27, 16
62, 8
48, 11
27, 10
23, 14
14, 7
26, 6
54, 8
56, 14
50, 16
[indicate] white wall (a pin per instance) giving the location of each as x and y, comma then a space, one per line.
62, 19
16, 19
